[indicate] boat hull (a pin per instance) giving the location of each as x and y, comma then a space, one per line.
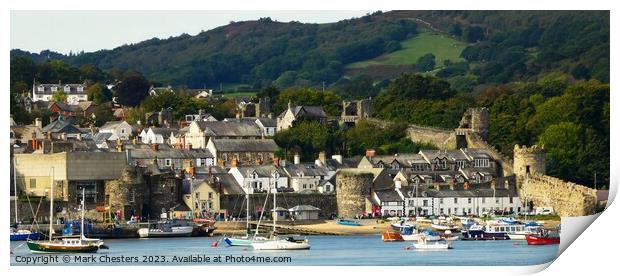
392, 237
474, 235
416, 237
348, 222
25, 236
539, 240
281, 245
48, 247
184, 231
432, 246
238, 242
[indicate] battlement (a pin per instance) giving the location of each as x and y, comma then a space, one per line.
535, 149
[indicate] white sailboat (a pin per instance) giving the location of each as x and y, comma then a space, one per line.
277, 243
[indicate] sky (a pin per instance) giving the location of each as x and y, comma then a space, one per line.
75, 31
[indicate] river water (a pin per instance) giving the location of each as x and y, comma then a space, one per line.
326, 250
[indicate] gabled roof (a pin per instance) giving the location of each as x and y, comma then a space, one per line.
101, 137
304, 208
308, 111
61, 125
148, 153
267, 122
245, 145
47, 88
237, 128
305, 169
388, 196
261, 170
163, 131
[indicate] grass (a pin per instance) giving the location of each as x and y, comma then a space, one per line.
442, 46
238, 94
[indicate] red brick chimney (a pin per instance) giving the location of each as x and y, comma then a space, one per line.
155, 147
370, 153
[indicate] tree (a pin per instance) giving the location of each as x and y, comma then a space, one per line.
132, 89
59, 96
455, 29
103, 113
99, 93
306, 138
474, 34
425, 63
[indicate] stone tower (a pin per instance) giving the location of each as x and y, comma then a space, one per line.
352, 189
476, 120
529, 160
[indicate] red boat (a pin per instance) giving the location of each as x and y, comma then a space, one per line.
542, 239
392, 236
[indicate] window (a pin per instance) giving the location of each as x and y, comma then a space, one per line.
54, 88
441, 201
469, 211
80, 88
456, 210
456, 200
168, 162
67, 88
496, 200
203, 161
411, 203
481, 162
40, 88
210, 205
210, 195
133, 196
484, 200
33, 183
511, 200
172, 190
425, 203
122, 130
304, 186
440, 211
469, 200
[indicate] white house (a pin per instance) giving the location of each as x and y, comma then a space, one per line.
156, 135
257, 179
75, 92
119, 130
203, 94
305, 177
267, 126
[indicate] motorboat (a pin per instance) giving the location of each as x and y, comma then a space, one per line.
167, 228
480, 232
348, 222
22, 235
543, 237
423, 244
391, 236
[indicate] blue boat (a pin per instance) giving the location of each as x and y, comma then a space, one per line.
478, 232
348, 222
23, 235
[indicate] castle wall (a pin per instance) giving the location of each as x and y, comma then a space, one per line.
566, 198
476, 142
443, 139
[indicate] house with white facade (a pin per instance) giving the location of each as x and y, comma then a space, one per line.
156, 135
259, 178
307, 177
76, 92
267, 126
119, 130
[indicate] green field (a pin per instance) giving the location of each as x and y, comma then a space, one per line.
442, 46
238, 94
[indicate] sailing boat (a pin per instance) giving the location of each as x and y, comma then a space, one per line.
20, 235
276, 243
66, 245
247, 239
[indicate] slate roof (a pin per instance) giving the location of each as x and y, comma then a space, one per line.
261, 170
230, 128
304, 110
164, 131
245, 145
110, 125
474, 190
388, 196
61, 125
305, 169
149, 153
267, 122
101, 137
47, 88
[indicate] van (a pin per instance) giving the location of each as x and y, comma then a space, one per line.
544, 211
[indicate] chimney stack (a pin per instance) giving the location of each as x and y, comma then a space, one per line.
322, 157
233, 163
493, 184
296, 159
155, 147
466, 186
452, 185
506, 184
370, 153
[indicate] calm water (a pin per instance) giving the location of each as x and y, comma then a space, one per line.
326, 250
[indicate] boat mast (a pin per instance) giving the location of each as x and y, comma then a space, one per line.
83, 207
247, 212
275, 214
52, 205
15, 187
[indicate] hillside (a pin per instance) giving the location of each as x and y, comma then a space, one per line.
493, 47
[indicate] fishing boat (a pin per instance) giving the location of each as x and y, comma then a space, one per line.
423, 244
543, 237
348, 222
276, 243
66, 245
392, 236
167, 228
444, 227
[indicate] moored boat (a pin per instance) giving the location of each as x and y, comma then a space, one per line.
289, 243
23, 235
391, 236
348, 222
423, 244
543, 237
479, 232
167, 228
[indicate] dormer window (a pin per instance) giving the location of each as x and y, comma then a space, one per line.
67, 88
80, 88
54, 88
40, 88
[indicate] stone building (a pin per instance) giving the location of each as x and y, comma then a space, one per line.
353, 190
244, 151
127, 194
287, 118
529, 160
352, 111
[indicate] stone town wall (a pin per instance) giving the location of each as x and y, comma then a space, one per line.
352, 190
443, 139
235, 204
566, 198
